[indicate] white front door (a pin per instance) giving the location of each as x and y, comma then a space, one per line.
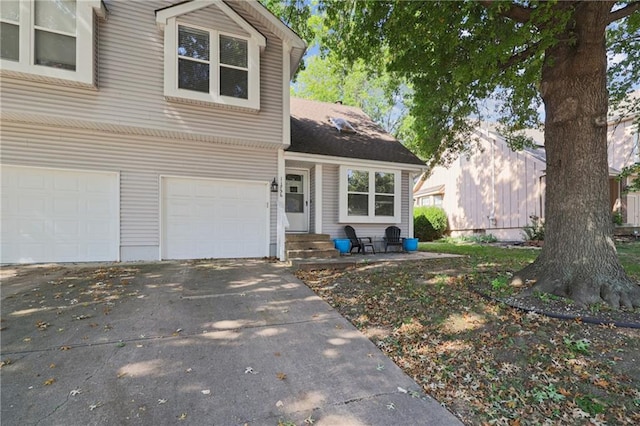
296, 200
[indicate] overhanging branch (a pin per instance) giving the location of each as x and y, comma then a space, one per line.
624, 11
514, 11
520, 56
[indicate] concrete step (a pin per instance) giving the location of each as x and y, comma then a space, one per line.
309, 245
307, 237
312, 254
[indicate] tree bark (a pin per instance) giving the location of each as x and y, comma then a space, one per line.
579, 258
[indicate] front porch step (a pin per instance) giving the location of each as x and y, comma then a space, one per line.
308, 237
313, 254
310, 246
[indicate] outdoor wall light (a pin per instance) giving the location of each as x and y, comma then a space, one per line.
274, 185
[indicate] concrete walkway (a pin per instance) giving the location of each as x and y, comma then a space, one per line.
194, 342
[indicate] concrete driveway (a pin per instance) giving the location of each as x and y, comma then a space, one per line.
194, 342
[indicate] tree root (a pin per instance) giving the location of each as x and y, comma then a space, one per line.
583, 287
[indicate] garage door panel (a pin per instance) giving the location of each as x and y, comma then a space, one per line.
50, 215
205, 218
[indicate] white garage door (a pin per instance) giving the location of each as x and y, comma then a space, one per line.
51, 215
205, 218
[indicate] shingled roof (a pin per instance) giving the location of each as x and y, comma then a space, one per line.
312, 132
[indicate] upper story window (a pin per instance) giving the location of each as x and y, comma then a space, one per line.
369, 195
49, 38
207, 65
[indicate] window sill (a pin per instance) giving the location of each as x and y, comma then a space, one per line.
211, 103
374, 220
60, 78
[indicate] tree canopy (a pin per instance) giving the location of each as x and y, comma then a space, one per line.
568, 58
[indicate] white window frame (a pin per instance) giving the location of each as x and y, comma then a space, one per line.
256, 42
85, 33
343, 204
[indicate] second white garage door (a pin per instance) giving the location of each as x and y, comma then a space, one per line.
207, 218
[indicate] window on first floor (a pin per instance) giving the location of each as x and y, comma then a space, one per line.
432, 200
369, 195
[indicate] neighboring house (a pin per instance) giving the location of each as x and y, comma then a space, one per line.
495, 190
624, 150
157, 130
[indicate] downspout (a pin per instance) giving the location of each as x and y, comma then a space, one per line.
492, 214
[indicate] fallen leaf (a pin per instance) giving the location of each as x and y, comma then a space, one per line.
281, 376
564, 392
602, 383
50, 381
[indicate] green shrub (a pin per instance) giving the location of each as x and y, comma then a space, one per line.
535, 231
617, 218
429, 223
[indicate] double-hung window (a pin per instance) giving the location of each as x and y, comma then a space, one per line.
369, 195
50, 38
209, 65
212, 63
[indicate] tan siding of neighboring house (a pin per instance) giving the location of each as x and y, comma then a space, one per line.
140, 160
622, 150
495, 183
130, 91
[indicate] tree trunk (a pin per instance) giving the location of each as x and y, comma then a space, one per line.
579, 258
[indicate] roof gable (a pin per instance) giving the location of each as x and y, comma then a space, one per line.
313, 132
165, 14
293, 43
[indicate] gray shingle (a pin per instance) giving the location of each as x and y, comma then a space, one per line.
313, 133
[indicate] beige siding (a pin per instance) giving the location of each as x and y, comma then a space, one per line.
130, 85
141, 161
495, 183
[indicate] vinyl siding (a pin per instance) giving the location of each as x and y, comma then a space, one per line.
130, 94
330, 218
495, 181
140, 160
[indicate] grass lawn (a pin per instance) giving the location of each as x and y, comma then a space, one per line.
628, 252
486, 361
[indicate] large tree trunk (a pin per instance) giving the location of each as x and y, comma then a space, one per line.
579, 259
